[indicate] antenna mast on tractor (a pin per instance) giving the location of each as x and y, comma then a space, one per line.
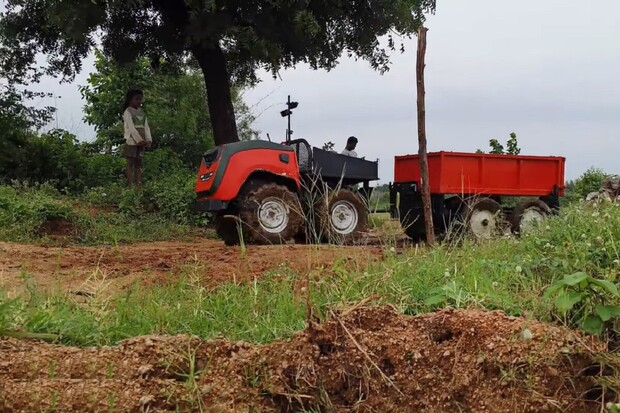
287, 114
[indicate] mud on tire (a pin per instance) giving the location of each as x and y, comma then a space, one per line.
342, 217
269, 213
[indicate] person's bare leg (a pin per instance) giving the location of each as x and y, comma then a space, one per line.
129, 171
138, 174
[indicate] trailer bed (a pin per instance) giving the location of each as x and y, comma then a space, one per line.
485, 174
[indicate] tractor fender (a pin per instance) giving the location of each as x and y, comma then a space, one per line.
222, 176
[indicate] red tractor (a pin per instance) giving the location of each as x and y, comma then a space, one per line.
467, 189
266, 193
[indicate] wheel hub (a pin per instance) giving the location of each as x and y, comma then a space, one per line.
483, 224
273, 215
344, 217
530, 218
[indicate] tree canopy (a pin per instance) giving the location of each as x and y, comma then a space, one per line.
230, 39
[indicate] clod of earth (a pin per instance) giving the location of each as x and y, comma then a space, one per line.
369, 359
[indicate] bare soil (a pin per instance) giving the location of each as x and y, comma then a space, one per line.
68, 268
366, 360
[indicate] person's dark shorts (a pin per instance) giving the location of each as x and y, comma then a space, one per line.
133, 153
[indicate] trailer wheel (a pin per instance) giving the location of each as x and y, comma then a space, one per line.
269, 214
484, 218
527, 214
343, 218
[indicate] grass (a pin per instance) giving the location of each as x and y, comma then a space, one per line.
506, 274
24, 211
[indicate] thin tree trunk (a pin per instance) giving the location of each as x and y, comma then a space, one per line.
426, 190
213, 64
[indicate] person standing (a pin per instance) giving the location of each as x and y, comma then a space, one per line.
349, 150
137, 135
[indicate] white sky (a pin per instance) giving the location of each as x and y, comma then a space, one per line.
544, 69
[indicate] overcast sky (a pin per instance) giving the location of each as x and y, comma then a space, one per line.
547, 70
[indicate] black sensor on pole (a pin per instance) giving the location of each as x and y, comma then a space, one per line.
287, 114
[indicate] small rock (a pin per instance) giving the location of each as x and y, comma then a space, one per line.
527, 335
144, 400
149, 343
144, 370
446, 354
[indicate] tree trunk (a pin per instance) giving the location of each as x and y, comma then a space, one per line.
426, 190
213, 64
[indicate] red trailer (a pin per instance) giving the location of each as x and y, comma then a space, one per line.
468, 188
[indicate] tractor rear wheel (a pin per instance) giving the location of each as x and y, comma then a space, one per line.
343, 218
484, 218
527, 214
269, 214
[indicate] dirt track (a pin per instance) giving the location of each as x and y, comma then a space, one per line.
369, 360
67, 268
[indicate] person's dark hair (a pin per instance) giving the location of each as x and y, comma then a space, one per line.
129, 96
352, 140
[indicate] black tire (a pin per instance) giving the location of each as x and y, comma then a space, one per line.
262, 207
521, 209
354, 214
226, 226
494, 219
415, 234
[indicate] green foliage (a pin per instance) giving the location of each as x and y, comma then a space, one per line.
17, 122
380, 198
496, 147
175, 103
512, 146
590, 181
230, 39
57, 157
25, 209
585, 301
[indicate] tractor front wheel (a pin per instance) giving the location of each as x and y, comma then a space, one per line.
269, 214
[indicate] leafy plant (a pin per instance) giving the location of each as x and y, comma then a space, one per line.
590, 181
584, 301
512, 146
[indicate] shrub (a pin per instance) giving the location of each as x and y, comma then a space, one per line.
23, 211
172, 197
590, 181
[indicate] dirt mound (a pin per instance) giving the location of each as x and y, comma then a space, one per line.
365, 360
58, 228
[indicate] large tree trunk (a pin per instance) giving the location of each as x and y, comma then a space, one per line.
213, 65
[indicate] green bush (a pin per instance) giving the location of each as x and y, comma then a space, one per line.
590, 181
102, 170
173, 197
23, 211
